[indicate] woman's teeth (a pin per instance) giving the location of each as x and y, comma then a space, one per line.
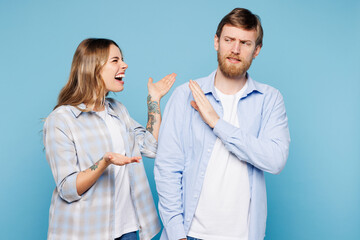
119, 76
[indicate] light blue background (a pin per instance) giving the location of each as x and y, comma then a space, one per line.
311, 53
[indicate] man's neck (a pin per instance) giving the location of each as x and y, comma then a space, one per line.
227, 85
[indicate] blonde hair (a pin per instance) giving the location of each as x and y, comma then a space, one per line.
85, 84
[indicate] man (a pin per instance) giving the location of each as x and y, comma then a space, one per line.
218, 135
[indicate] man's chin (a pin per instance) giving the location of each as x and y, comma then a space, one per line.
233, 72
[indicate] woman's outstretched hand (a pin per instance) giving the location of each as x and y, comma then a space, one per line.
88, 177
118, 159
159, 89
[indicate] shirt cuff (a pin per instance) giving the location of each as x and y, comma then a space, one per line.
68, 190
176, 231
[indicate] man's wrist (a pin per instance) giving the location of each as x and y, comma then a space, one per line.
214, 122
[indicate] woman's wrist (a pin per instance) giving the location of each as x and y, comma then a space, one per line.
153, 104
153, 97
107, 159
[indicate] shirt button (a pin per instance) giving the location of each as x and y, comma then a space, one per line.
188, 219
209, 150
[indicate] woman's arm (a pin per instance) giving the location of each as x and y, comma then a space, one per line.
156, 92
61, 154
87, 178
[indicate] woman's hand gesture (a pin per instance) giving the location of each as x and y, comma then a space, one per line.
118, 159
159, 89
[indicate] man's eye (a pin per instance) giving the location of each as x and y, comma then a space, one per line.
115, 60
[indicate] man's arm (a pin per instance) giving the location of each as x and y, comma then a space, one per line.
169, 166
267, 152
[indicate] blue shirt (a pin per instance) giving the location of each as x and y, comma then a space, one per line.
74, 141
186, 143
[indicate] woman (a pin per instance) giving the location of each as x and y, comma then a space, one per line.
90, 142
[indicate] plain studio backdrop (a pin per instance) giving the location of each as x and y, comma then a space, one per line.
310, 53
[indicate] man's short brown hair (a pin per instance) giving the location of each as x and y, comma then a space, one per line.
245, 19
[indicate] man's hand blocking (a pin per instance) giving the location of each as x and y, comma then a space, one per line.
202, 105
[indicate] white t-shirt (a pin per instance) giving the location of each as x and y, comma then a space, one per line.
223, 208
125, 216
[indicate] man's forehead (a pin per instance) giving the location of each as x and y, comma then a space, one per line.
238, 32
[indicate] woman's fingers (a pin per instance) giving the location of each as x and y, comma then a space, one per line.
150, 81
127, 160
119, 159
135, 159
170, 79
160, 88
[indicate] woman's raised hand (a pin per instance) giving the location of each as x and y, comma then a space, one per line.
159, 89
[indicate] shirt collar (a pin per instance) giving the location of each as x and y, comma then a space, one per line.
252, 87
110, 106
76, 110
209, 86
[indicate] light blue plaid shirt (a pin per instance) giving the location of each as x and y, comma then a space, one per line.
74, 141
186, 143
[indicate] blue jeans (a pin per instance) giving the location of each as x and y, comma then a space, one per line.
128, 236
191, 238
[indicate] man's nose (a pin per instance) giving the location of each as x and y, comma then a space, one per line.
236, 48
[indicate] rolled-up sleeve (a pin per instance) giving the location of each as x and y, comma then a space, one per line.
145, 140
61, 156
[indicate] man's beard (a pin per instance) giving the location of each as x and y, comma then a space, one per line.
233, 70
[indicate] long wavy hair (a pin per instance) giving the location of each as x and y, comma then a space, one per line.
85, 84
